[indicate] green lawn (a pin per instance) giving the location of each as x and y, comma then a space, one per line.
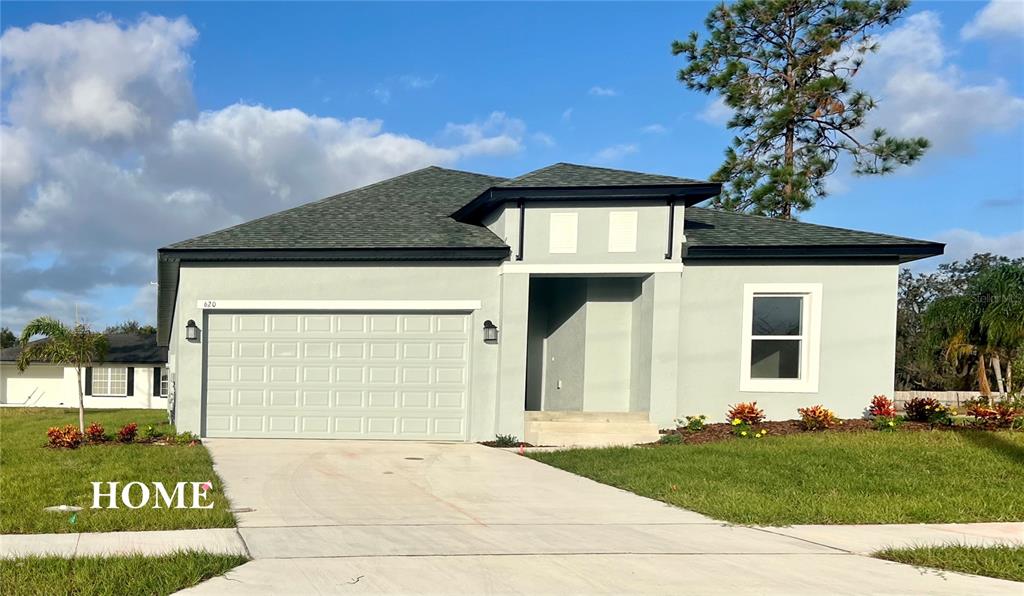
137, 574
33, 476
1004, 562
823, 478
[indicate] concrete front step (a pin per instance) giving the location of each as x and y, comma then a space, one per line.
587, 416
588, 429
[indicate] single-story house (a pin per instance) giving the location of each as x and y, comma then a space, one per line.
448, 305
132, 375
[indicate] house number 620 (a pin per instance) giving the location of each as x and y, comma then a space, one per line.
210, 304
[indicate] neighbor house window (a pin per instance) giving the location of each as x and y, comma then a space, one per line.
164, 383
108, 380
781, 337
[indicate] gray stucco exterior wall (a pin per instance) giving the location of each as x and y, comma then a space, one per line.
858, 336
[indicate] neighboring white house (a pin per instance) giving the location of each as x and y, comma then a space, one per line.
133, 375
447, 305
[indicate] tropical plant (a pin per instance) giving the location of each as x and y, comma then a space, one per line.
95, 433
817, 418
919, 409
784, 68
506, 440
127, 433
984, 322
746, 412
77, 346
66, 437
881, 407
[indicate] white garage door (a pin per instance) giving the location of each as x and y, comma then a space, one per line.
337, 375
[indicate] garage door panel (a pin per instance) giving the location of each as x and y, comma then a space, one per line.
345, 375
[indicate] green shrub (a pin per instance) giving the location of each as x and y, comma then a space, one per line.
186, 438
506, 441
744, 430
692, 423
670, 439
887, 423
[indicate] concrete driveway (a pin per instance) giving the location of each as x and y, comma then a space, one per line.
403, 517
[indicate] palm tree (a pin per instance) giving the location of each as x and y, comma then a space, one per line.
986, 321
78, 346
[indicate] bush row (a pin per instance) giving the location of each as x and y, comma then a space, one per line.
70, 437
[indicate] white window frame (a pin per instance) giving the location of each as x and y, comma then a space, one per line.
810, 344
103, 375
563, 231
165, 381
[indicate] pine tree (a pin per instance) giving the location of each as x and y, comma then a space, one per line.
785, 67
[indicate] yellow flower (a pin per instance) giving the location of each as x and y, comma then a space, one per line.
736, 421
744, 433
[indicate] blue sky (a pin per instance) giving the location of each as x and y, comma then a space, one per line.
130, 125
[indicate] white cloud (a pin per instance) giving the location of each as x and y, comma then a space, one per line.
381, 94
498, 134
130, 166
567, 115
603, 91
615, 152
543, 138
962, 244
920, 93
654, 129
999, 18
417, 81
716, 112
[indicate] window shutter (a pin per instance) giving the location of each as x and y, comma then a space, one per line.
156, 381
131, 381
88, 380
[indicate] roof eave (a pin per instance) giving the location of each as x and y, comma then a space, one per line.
904, 253
689, 194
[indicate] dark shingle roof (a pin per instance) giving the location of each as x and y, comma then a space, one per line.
125, 348
408, 211
713, 232
573, 175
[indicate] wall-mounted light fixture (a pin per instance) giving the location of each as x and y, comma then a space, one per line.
191, 331
490, 332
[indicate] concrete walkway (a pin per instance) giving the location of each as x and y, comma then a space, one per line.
392, 517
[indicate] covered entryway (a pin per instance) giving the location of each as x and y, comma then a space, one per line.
381, 375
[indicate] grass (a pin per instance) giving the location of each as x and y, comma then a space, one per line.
33, 476
823, 478
136, 574
1003, 562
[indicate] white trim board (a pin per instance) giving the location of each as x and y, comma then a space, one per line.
351, 305
592, 269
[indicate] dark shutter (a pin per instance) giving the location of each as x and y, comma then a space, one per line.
88, 380
131, 381
156, 381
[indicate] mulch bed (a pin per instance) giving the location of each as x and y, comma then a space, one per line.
720, 431
495, 444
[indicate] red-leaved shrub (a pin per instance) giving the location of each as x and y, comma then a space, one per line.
999, 414
95, 433
746, 412
922, 409
67, 437
817, 418
128, 432
882, 407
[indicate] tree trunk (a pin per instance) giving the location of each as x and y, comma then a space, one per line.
983, 385
81, 401
1009, 375
997, 368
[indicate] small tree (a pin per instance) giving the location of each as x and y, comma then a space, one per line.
131, 326
7, 338
78, 346
784, 67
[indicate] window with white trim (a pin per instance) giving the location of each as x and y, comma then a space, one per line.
164, 383
781, 337
110, 381
562, 232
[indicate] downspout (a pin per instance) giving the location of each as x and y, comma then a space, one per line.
522, 227
671, 228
